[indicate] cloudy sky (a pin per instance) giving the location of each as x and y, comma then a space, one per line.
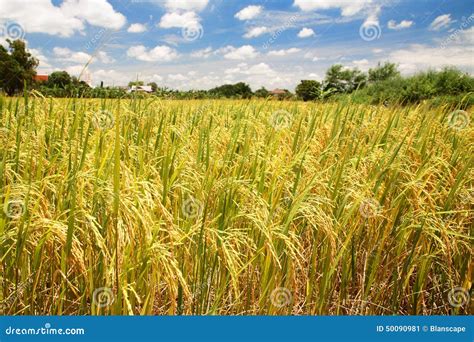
199, 44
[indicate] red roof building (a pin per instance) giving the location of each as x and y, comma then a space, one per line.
41, 78
278, 92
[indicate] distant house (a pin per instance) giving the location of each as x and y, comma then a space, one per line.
279, 93
41, 78
140, 89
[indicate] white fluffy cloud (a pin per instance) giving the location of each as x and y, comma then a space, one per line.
373, 18
64, 20
262, 74
67, 55
241, 53
442, 21
95, 12
159, 53
188, 5
104, 57
64, 54
177, 77
256, 31
312, 56
203, 53
260, 69
456, 52
249, 12
182, 13
61, 52
76, 70
347, 7
305, 33
109, 77
257, 69
283, 52
176, 19
154, 78
362, 64
43, 60
392, 24
136, 28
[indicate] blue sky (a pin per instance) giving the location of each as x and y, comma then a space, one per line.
199, 44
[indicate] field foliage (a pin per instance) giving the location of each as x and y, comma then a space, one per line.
233, 207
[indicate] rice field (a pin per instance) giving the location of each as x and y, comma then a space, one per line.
247, 207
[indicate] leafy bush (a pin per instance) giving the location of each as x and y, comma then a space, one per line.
419, 87
308, 90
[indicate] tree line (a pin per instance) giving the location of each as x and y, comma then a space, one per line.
380, 84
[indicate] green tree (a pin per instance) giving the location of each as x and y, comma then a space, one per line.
154, 86
383, 72
357, 80
308, 90
238, 90
336, 78
59, 79
343, 80
135, 83
17, 66
262, 92
242, 90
